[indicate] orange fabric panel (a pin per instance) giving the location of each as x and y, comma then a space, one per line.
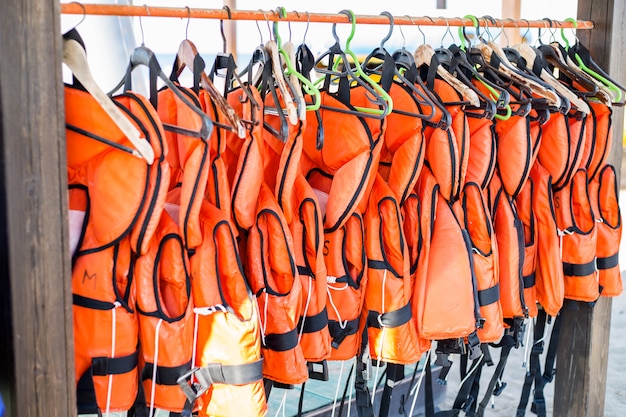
549, 284
227, 317
603, 192
389, 285
576, 221
308, 240
273, 277
485, 253
164, 295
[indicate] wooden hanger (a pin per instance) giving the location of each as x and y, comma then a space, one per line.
188, 56
424, 54
502, 64
279, 77
75, 58
530, 55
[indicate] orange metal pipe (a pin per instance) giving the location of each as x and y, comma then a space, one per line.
294, 16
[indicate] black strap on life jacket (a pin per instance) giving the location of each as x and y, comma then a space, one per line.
102, 366
363, 397
534, 373
496, 386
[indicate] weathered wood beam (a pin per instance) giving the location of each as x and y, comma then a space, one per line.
34, 244
583, 350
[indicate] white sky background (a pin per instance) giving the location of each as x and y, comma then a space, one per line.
108, 45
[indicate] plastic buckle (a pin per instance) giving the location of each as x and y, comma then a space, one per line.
193, 391
473, 343
549, 376
500, 386
468, 403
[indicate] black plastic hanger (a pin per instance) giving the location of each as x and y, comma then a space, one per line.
143, 56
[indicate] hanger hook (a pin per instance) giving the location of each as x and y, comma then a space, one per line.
391, 22
448, 31
282, 13
402, 33
82, 19
222, 28
188, 20
463, 36
575, 23
552, 32
503, 31
141, 25
259, 29
351, 18
490, 19
525, 35
267, 21
308, 22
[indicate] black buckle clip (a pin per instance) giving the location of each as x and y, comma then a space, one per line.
500, 386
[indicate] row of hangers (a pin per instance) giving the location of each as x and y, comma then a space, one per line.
548, 77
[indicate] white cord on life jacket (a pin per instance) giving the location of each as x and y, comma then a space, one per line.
382, 336
415, 390
337, 389
351, 385
282, 404
343, 324
154, 368
116, 305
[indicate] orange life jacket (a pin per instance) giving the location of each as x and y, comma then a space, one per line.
227, 338
524, 205
346, 265
510, 237
282, 160
411, 212
273, 277
598, 138
243, 160
342, 170
516, 146
165, 314
577, 226
402, 154
217, 189
391, 329
308, 238
603, 193
188, 157
483, 150
149, 217
485, 253
549, 281
562, 146
447, 151
445, 262
121, 211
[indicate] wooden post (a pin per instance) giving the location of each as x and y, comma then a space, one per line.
583, 348
511, 9
36, 344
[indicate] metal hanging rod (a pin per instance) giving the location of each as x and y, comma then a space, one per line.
295, 16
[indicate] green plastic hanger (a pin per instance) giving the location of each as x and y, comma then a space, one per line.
357, 71
494, 94
306, 84
581, 64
